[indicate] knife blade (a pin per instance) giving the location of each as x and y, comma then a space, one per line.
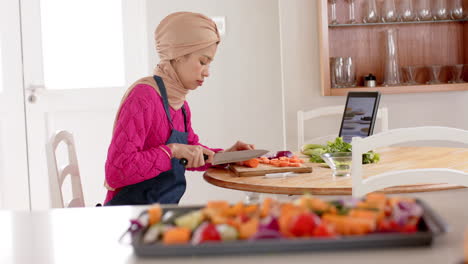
232, 156
235, 156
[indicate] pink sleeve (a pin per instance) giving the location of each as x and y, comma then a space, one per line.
127, 162
194, 140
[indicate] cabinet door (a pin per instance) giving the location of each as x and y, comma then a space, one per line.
14, 192
79, 57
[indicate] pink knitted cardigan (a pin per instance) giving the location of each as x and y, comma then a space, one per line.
142, 129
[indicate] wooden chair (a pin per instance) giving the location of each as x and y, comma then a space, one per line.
302, 116
362, 186
57, 175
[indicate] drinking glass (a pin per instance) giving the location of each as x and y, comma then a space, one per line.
435, 72
424, 10
440, 10
457, 72
409, 71
349, 72
406, 10
389, 13
371, 12
457, 10
352, 17
333, 21
339, 72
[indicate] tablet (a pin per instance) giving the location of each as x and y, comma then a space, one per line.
359, 115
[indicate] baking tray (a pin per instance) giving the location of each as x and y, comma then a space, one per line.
430, 226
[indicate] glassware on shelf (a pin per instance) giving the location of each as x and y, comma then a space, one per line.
440, 10
457, 11
332, 73
338, 72
371, 15
424, 10
409, 73
392, 74
334, 20
457, 73
349, 72
435, 73
406, 11
389, 13
352, 17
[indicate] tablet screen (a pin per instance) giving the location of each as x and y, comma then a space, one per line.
359, 115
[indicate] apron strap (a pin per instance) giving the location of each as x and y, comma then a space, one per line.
185, 117
162, 89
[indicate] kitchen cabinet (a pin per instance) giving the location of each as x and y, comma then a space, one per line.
419, 43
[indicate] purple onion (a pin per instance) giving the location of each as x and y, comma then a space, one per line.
135, 225
269, 155
413, 209
270, 223
404, 211
266, 234
284, 153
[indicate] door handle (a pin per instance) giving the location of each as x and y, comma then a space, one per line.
34, 89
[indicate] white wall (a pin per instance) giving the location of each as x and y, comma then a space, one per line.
241, 100
301, 73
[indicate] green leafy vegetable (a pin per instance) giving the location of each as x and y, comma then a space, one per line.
314, 151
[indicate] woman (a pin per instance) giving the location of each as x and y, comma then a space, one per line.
153, 130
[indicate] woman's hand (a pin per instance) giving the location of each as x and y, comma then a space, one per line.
240, 146
192, 153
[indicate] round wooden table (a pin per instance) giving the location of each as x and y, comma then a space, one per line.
321, 181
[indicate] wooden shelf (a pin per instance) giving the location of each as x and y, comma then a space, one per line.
403, 89
420, 43
397, 23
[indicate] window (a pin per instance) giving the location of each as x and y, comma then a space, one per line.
82, 43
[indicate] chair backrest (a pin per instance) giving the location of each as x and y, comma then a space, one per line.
57, 175
362, 186
302, 116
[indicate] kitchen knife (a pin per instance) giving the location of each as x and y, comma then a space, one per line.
232, 156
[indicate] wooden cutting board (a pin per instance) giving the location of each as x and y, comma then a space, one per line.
262, 169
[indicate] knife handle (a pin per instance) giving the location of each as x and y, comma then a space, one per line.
184, 161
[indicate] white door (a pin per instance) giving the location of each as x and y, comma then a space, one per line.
79, 57
14, 193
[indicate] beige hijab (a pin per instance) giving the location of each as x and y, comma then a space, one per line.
177, 35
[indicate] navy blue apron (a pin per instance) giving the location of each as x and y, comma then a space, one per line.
167, 187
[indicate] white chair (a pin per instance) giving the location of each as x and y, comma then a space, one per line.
57, 175
361, 187
302, 116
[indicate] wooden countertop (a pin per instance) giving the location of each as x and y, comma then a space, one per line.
321, 181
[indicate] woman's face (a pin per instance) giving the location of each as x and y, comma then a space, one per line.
192, 69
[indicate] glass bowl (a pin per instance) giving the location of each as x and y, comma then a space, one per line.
339, 162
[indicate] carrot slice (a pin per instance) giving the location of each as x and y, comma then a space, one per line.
275, 163
252, 163
155, 213
176, 235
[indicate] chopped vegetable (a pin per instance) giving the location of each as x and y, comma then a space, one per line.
227, 232
190, 220
314, 151
176, 235
252, 163
155, 213
307, 216
206, 232
284, 153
